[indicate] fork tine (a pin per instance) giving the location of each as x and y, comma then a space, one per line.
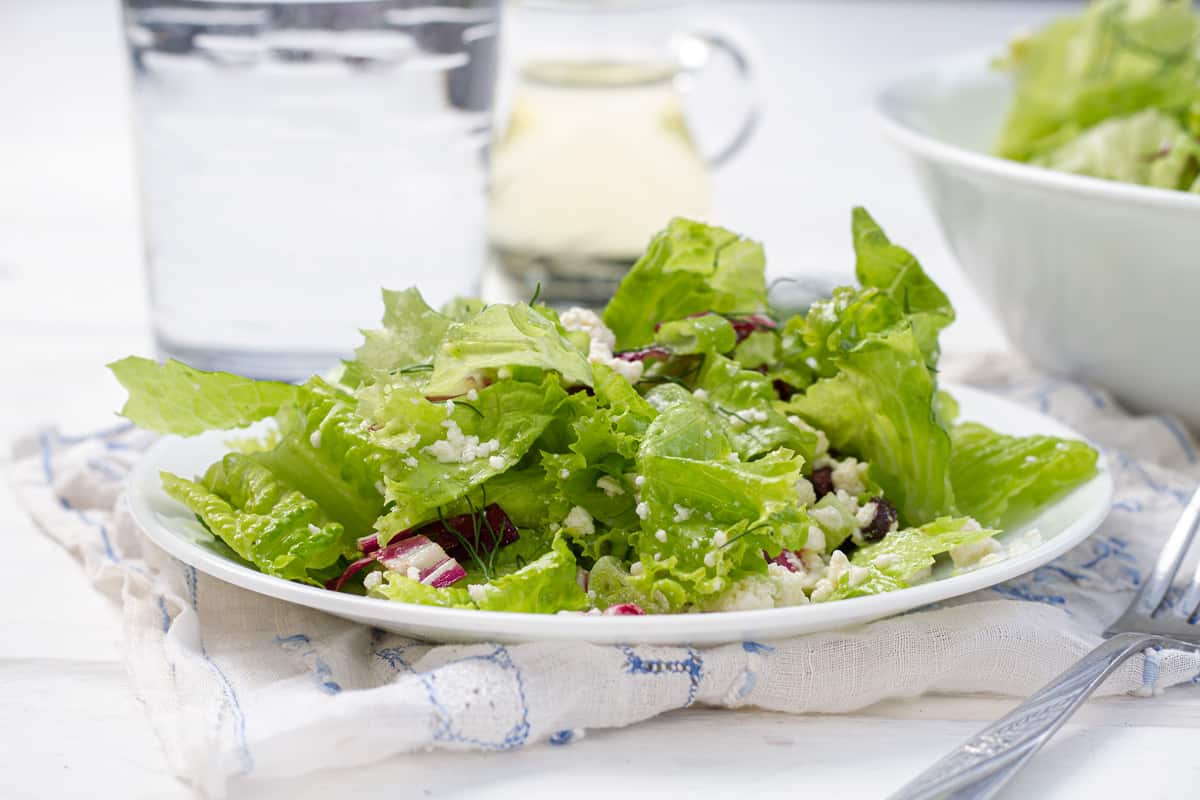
1189, 604
1154, 590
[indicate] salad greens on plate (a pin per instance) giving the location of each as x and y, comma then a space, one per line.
689, 449
1112, 93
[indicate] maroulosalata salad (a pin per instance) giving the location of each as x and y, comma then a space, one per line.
689, 449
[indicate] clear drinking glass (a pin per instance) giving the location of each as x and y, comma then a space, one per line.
295, 156
594, 152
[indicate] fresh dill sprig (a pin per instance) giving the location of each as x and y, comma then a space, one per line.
415, 368
537, 293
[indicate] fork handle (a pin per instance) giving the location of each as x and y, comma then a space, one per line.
978, 767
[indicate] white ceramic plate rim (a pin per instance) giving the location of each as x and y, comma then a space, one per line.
677, 628
886, 100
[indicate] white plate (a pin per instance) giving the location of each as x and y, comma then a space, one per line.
1063, 525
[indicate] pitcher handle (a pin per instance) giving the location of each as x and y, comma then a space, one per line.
720, 36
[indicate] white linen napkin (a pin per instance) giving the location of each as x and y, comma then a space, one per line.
238, 684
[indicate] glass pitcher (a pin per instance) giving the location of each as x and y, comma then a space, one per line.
594, 152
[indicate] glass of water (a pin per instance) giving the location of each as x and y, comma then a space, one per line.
595, 152
295, 156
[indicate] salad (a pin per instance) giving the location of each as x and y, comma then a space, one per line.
689, 449
1111, 93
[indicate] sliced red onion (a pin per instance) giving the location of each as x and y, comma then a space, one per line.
445, 573
788, 559
624, 610
368, 544
744, 326
355, 567
653, 351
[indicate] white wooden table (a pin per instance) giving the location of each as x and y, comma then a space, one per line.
71, 299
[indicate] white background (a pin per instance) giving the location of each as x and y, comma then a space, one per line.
72, 299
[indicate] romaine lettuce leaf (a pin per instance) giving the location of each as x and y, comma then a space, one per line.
1001, 479
880, 407
455, 446
1116, 58
504, 336
544, 586
688, 268
906, 553
410, 335
324, 450
895, 272
264, 520
175, 398
404, 589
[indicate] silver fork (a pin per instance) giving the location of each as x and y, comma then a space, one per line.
985, 762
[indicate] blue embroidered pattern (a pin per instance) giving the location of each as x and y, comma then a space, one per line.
692, 666
301, 645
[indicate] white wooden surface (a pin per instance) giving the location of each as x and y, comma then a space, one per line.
71, 299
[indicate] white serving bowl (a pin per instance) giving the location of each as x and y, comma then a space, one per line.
1091, 279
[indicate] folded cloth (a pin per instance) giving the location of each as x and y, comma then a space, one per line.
235, 683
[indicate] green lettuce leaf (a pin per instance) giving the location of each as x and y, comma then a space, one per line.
875, 582
1149, 148
1116, 58
1000, 480
437, 469
262, 519
710, 333
895, 272
175, 398
544, 586
410, 335
687, 268
880, 408
404, 589
906, 553
324, 450
500, 337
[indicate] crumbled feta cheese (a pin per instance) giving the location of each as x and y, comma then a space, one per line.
720, 538
449, 408
496, 462
969, 554
588, 321
710, 558
661, 535
631, 371
793, 419
372, 580
827, 516
858, 576
1027, 541
748, 594
822, 590
472, 395
866, 514
477, 591
579, 520
839, 565
806, 495
314, 530
460, 448
609, 486
700, 395
812, 363
411, 462
563, 474
754, 415
639, 481
848, 476
886, 561
789, 586
636, 569
815, 540
315, 439
504, 373
707, 434
734, 457
643, 510
682, 514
